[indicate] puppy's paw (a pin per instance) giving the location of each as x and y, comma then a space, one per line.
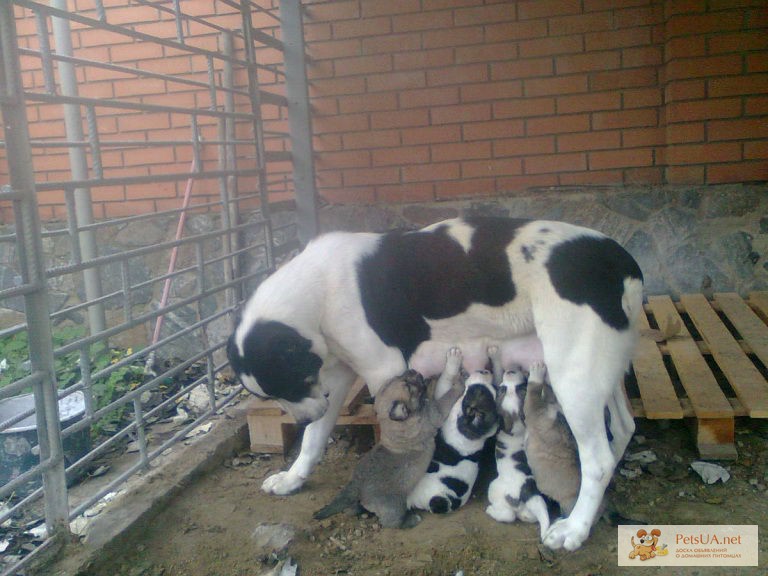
453, 360
565, 533
282, 483
501, 513
494, 353
537, 372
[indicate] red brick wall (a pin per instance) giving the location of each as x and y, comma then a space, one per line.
418, 100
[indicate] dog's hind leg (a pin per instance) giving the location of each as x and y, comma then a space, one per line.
623, 423
316, 435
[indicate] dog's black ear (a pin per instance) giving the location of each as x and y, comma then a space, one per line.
399, 411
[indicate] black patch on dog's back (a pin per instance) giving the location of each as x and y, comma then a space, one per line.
528, 490
414, 276
589, 270
278, 357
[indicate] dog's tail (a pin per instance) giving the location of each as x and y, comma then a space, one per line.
345, 500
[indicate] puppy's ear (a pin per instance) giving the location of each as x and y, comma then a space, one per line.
399, 411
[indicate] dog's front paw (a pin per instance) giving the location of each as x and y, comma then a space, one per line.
565, 533
282, 483
537, 372
453, 360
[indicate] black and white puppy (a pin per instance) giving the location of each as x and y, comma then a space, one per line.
375, 304
451, 475
513, 494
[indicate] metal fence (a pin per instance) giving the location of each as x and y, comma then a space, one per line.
109, 321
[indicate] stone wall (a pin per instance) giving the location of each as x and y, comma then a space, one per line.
686, 239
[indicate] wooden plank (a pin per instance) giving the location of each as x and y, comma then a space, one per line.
656, 389
760, 301
700, 385
752, 329
744, 378
355, 397
715, 438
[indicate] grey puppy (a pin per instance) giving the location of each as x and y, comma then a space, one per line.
409, 419
549, 444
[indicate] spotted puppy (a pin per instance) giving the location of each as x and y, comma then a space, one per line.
513, 494
451, 475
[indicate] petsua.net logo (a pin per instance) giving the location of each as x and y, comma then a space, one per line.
687, 545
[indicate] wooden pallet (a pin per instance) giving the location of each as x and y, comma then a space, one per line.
711, 372
272, 430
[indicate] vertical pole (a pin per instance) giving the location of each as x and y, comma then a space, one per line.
299, 121
79, 168
29, 238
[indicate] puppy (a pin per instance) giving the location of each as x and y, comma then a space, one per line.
549, 444
408, 420
513, 494
451, 475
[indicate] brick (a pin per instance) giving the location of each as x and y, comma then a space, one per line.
599, 5
752, 171
554, 86
378, 8
466, 188
461, 151
362, 103
756, 106
401, 155
429, 97
684, 174
391, 43
431, 171
523, 146
752, 84
703, 67
558, 124
757, 17
685, 90
344, 159
591, 178
423, 21
370, 176
551, 46
757, 62
684, 133
647, 175
457, 75
362, 65
673, 7
492, 167
489, 52
396, 81
484, 14
143, 121
524, 107
370, 139
335, 86
642, 56
431, 134
491, 91
580, 23
515, 31
492, 130
362, 28
685, 24
555, 163
588, 102
685, 47
546, 8
607, 40
737, 129
423, 59
139, 86
638, 137
349, 195
624, 119
738, 42
514, 69
314, 32
463, 113
331, 12
511, 184
756, 150
703, 153
412, 192
341, 123
703, 109
333, 49
452, 37
642, 97
328, 178
644, 15
587, 62
583, 141
616, 79
400, 118
608, 159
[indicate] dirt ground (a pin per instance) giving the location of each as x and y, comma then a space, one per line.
209, 530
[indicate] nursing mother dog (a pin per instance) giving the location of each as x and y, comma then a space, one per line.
375, 304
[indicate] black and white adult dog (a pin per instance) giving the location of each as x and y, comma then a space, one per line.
374, 304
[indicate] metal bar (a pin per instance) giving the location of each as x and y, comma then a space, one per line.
299, 119
93, 140
179, 24
19, 158
45, 52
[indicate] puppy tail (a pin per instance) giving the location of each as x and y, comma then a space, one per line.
346, 499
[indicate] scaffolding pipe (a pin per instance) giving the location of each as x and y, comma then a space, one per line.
79, 167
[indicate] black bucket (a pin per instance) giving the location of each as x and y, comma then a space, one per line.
18, 444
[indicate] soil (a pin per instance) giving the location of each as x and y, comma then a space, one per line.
208, 530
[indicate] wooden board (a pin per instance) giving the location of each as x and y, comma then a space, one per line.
751, 328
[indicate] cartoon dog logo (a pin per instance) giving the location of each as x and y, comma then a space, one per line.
648, 546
